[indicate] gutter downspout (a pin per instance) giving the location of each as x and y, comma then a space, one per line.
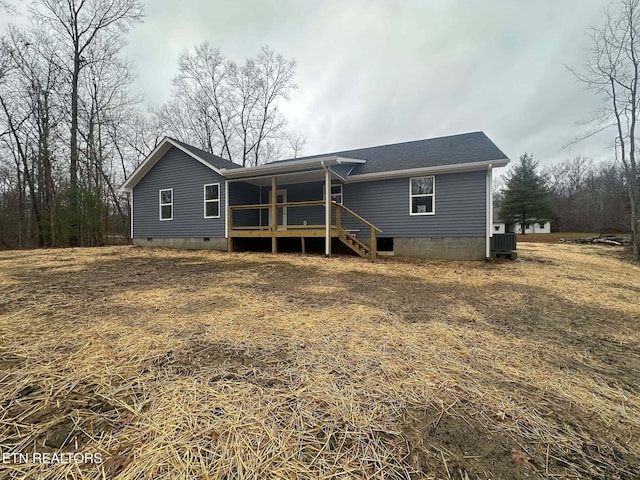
226, 208
327, 221
132, 215
489, 213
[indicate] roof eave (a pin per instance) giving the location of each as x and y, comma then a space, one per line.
283, 167
153, 158
438, 169
144, 167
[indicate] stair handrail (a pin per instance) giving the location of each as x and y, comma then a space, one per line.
339, 207
354, 214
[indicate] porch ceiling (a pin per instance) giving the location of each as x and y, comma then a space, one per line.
287, 178
288, 166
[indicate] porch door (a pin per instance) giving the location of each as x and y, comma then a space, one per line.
282, 211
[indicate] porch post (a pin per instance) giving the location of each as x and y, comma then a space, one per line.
327, 197
229, 228
274, 215
229, 223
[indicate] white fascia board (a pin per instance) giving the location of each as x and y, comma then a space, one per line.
153, 158
440, 169
341, 160
191, 154
279, 167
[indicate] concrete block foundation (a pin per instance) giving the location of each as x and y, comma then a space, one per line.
197, 243
449, 248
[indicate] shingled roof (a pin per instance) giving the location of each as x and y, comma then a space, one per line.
213, 160
451, 150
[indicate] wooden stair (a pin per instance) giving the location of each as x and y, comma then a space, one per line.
354, 243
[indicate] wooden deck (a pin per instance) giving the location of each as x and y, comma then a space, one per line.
286, 231
275, 231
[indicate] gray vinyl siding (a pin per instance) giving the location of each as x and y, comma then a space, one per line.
299, 192
187, 177
242, 193
460, 204
460, 207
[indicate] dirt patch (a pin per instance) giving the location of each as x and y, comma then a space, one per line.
457, 446
220, 361
63, 422
10, 360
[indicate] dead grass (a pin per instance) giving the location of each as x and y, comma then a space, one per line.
176, 364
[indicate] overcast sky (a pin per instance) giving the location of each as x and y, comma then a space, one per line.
374, 72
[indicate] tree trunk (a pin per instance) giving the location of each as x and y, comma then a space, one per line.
635, 227
74, 212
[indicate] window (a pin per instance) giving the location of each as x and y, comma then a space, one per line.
336, 193
527, 226
212, 200
496, 228
422, 195
541, 225
166, 204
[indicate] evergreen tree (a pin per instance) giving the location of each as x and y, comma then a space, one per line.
525, 198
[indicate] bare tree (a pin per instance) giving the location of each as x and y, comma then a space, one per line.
613, 73
203, 81
228, 109
296, 143
31, 115
82, 23
59, 200
4, 5
105, 104
258, 85
133, 138
588, 197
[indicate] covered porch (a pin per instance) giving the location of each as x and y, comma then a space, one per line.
307, 204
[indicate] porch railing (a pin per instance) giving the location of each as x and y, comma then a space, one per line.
267, 206
275, 229
373, 229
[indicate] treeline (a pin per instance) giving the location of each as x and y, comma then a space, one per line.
72, 129
69, 126
588, 196
577, 195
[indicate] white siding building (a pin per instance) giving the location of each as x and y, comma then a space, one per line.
533, 227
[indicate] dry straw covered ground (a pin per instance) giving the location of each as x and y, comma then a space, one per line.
177, 364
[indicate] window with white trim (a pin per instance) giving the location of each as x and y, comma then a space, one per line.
336, 193
212, 200
422, 195
166, 203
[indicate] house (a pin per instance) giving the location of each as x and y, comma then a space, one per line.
427, 198
534, 226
